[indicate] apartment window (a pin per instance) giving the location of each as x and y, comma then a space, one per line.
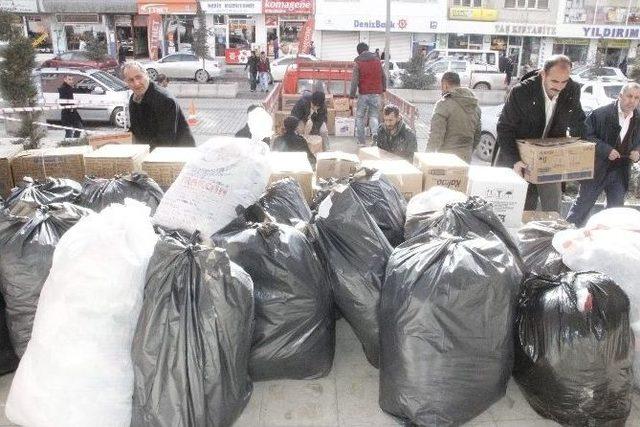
468, 3
526, 4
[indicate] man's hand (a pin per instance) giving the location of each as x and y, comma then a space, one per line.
634, 156
614, 155
519, 168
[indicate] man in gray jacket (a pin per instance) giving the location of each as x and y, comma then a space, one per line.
455, 123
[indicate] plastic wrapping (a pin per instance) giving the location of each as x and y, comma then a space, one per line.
98, 193
446, 328
77, 370
25, 259
534, 243
29, 194
424, 205
285, 202
192, 343
294, 334
574, 349
383, 201
357, 251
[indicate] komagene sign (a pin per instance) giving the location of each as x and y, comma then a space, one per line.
287, 7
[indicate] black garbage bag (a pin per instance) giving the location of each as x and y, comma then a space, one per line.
383, 201
446, 328
285, 201
30, 193
357, 251
8, 359
192, 342
98, 193
538, 254
294, 335
26, 254
323, 188
574, 349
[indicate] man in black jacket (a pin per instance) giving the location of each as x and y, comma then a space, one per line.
290, 140
394, 135
545, 104
615, 128
69, 116
252, 64
312, 106
156, 118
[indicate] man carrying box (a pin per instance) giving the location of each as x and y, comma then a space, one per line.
545, 104
615, 128
394, 135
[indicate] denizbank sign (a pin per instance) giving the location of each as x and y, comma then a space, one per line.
417, 24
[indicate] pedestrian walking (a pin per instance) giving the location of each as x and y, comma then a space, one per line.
276, 48
623, 66
252, 65
264, 72
394, 135
312, 49
508, 71
456, 121
377, 52
615, 128
156, 117
545, 104
122, 53
69, 116
369, 81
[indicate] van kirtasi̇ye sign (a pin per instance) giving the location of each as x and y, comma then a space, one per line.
287, 6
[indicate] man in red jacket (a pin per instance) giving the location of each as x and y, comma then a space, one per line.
370, 82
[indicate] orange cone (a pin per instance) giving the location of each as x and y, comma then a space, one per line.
192, 120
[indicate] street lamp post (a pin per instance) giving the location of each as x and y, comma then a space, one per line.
387, 39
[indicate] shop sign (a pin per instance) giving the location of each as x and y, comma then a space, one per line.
122, 21
236, 56
167, 7
473, 14
575, 42
399, 23
69, 18
612, 32
247, 7
306, 36
615, 44
288, 6
525, 29
19, 6
154, 34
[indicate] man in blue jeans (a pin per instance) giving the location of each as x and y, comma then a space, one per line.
615, 128
369, 81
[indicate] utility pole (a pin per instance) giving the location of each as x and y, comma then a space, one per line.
387, 40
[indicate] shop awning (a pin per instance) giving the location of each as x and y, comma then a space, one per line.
167, 7
89, 6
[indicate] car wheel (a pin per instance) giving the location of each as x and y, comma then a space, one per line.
119, 117
202, 76
482, 86
153, 73
485, 147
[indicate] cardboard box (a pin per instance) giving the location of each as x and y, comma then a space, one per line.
97, 141
345, 126
501, 187
331, 121
315, 143
60, 162
528, 216
345, 113
445, 170
278, 121
336, 164
111, 160
164, 164
375, 153
406, 177
557, 159
341, 103
7, 153
289, 100
294, 165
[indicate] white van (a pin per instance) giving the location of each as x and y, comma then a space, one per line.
102, 97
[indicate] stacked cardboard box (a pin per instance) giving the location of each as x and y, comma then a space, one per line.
164, 164
97, 141
345, 126
315, 143
331, 121
62, 162
278, 122
375, 153
293, 165
341, 104
441, 169
336, 164
557, 159
406, 177
289, 100
7, 153
111, 160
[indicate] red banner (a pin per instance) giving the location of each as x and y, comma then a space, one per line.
304, 7
306, 36
236, 56
154, 34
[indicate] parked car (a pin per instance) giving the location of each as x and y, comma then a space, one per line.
280, 65
596, 93
486, 145
472, 75
184, 65
102, 97
80, 59
481, 59
590, 73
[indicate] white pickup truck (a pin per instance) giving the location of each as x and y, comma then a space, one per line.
472, 75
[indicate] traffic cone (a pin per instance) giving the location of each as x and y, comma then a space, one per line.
192, 120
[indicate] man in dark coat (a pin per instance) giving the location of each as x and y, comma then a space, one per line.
156, 118
291, 140
252, 65
69, 116
394, 135
545, 104
615, 128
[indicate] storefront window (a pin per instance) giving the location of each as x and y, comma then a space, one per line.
465, 41
38, 31
603, 12
242, 32
289, 31
179, 34
575, 49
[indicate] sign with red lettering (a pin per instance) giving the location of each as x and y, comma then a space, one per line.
288, 6
154, 34
306, 36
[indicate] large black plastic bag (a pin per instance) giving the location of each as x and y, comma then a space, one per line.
383, 201
534, 243
192, 343
424, 205
98, 193
357, 251
285, 201
26, 253
8, 358
446, 328
29, 194
294, 335
574, 349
